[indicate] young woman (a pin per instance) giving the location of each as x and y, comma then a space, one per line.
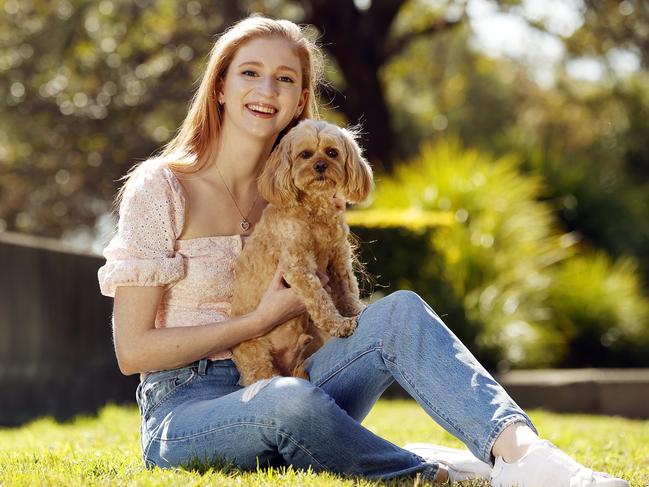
183, 219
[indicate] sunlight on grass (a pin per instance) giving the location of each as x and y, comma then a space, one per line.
104, 450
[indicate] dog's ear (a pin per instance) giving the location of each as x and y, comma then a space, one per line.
359, 182
276, 181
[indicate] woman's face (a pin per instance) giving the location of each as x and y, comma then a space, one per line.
263, 89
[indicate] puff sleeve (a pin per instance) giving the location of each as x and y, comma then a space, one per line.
151, 215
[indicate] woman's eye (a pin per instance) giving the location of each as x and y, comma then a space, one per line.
248, 72
286, 79
332, 152
305, 154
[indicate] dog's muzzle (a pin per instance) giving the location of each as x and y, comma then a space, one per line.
320, 167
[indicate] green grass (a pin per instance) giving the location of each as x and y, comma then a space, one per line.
104, 450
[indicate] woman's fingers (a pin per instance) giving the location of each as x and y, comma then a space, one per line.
278, 279
324, 278
280, 283
340, 202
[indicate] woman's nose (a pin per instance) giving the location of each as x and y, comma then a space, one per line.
268, 86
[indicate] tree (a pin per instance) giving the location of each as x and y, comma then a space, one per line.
363, 41
77, 117
90, 88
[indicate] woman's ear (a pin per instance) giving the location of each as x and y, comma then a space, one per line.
302, 103
359, 182
218, 95
276, 181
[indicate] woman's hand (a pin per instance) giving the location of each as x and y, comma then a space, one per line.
324, 280
280, 303
340, 202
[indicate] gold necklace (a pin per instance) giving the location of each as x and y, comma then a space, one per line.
244, 223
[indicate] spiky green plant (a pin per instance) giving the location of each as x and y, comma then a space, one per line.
479, 245
496, 254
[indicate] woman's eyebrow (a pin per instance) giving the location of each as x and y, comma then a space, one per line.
255, 63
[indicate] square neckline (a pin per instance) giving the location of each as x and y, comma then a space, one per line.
182, 191
206, 237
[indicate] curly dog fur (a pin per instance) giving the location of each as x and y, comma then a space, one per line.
302, 230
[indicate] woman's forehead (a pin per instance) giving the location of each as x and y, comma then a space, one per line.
268, 51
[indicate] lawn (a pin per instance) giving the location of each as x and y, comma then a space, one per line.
104, 449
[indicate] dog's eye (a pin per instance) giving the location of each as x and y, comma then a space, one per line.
305, 154
332, 152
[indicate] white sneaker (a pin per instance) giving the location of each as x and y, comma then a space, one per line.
461, 464
544, 465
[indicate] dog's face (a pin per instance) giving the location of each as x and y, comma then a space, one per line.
316, 156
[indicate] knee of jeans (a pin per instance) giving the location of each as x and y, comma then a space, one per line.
409, 312
404, 298
300, 400
405, 306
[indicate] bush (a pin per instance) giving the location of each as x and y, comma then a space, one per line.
599, 307
479, 246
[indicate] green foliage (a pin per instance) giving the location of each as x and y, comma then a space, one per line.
105, 450
453, 89
587, 140
599, 307
598, 177
89, 88
491, 272
491, 262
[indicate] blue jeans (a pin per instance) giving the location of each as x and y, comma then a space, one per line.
200, 413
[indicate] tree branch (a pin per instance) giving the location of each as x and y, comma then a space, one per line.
383, 13
444, 25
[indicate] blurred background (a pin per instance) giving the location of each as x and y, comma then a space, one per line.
510, 141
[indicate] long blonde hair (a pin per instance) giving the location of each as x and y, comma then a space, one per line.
195, 142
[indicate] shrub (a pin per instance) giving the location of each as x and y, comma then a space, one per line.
599, 307
477, 244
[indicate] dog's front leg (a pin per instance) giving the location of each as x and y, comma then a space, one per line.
300, 273
342, 281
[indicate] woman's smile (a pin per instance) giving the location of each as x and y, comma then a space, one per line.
261, 110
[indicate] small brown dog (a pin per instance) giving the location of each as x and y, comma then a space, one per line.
303, 231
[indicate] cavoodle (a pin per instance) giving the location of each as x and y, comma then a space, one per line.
303, 231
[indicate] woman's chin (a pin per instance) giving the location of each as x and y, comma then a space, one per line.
264, 132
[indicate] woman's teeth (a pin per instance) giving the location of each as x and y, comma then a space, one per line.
259, 108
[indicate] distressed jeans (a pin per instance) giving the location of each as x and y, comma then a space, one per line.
199, 413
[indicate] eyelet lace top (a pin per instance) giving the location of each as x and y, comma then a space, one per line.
197, 273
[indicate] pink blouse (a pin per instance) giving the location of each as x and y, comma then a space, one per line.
197, 273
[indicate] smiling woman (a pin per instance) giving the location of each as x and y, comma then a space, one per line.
184, 217
262, 92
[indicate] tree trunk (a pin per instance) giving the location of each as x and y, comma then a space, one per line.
356, 39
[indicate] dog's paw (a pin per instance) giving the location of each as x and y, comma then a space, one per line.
347, 327
355, 309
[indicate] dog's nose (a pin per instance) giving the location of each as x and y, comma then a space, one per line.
320, 166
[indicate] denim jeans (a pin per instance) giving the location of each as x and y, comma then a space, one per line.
199, 413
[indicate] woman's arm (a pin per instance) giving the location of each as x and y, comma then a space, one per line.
140, 347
